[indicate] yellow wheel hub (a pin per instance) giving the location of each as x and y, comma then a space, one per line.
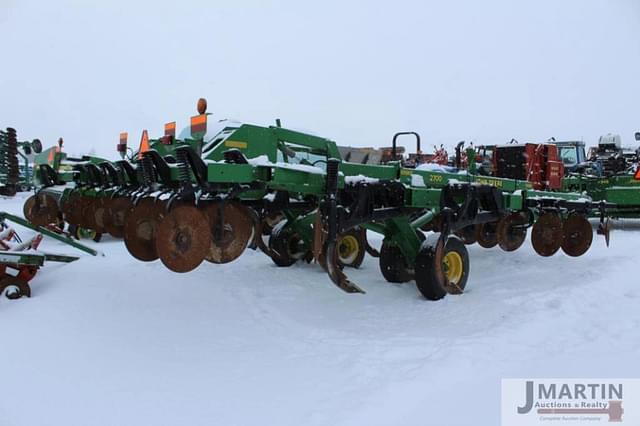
348, 249
87, 233
453, 267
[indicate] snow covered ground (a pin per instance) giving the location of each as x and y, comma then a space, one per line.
112, 341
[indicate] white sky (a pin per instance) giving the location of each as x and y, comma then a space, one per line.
354, 71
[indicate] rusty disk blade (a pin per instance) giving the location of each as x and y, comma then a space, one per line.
70, 208
183, 238
80, 207
511, 232
99, 213
229, 237
88, 207
42, 210
114, 217
28, 206
467, 234
546, 234
486, 235
140, 228
578, 235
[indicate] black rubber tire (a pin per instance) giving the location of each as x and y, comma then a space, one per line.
393, 265
280, 243
430, 278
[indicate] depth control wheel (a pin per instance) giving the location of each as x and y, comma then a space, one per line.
286, 246
394, 266
351, 248
442, 268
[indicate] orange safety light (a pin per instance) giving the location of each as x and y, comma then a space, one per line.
198, 126
170, 129
202, 106
637, 175
169, 133
122, 146
144, 144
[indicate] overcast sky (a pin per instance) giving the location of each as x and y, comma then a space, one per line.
353, 71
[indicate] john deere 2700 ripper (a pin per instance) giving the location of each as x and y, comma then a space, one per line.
215, 193
208, 196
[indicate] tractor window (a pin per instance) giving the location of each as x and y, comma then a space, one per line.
569, 155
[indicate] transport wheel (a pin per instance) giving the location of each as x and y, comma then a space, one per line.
183, 238
512, 231
141, 224
467, 234
351, 248
231, 236
14, 287
442, 268
486, 234
393, 264
547, 234
286, 246
577, 235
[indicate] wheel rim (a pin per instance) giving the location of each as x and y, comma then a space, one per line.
86, 233
453, 267
348, 249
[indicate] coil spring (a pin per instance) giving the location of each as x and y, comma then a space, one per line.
332, 176
148, 171
184, 171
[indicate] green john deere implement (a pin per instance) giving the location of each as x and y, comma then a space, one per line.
216, 196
